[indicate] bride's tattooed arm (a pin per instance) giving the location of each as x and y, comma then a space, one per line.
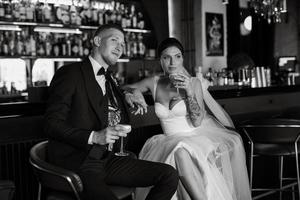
196, 112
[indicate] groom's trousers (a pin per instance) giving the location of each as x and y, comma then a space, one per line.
125, 171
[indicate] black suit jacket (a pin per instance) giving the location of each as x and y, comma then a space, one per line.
76, 106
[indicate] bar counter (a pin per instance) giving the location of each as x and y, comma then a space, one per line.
289, 96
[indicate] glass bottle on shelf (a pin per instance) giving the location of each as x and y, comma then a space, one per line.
11, 44
47, 12
86, 44
16, 10
68, 45
30, 15
8, 10
133, 16
123, 16
94, 13
141, 21
101, 17
128, 19
209, 76
5, 43
40, 45
56, 49
39, 11
118, 13
134, 45
63, 46
48, 45
141, 46
113, 16
2, 10
75, 46
32, 45
73, 14
19, 44
22, 12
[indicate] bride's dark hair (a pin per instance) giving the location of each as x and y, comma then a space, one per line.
169, 42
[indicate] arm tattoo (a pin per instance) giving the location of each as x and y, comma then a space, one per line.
194, 109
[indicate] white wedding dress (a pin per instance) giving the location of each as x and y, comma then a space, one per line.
217, 153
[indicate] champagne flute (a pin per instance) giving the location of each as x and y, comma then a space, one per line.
126, 128
173, 79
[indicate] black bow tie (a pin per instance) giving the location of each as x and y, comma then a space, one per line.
101, 72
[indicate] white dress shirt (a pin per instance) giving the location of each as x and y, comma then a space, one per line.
101, 81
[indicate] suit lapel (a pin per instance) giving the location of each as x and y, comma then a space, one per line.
95, 94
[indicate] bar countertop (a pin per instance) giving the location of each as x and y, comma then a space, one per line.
38, 107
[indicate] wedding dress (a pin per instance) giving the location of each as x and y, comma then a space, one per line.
217, 153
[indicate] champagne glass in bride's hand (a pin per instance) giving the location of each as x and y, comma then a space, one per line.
125, 128
174, 79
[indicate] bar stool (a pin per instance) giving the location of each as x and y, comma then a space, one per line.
66, 184
273, 137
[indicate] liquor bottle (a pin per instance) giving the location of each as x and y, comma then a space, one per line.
133, 17
63, 46
11, 44
73, 14
107, 16
68, 45
134, 45
75, 47
5, 43
123, 16
101, 17
86, 44
94, 14
55, 48
127, 51
47, 12
2, 10
16, 10
80, 47
209, 76
22, 11
8, 11
141, 46
118, 13
29, 12
40, 45
141, 21
113, 16
19, 44
128, 19
88, 14
39, 11
1, 42
48, 46
32, 45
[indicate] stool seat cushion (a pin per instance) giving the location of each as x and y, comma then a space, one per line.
274, 149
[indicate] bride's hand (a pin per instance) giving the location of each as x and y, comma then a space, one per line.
184, 82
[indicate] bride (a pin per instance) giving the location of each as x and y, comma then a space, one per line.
209, 157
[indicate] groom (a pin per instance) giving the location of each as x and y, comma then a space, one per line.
83, 110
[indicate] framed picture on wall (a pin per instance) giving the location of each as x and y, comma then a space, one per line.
214, 34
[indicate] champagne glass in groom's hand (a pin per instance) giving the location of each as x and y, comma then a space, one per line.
124, 128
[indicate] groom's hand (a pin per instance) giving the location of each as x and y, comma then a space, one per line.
136, 101
108, 135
